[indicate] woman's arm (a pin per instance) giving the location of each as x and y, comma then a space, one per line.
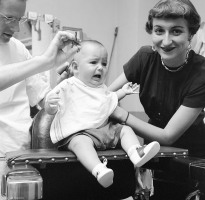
118, 83
177, 125
53, 57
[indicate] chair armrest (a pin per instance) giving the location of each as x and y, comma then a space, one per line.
36, 156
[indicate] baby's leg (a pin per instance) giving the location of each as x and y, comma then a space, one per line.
137, 154
83, 148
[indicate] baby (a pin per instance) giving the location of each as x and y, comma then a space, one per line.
82, 105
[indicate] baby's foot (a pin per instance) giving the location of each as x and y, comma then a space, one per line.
143, 154
103, 174
105, 177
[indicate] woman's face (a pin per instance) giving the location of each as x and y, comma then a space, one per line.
171, 39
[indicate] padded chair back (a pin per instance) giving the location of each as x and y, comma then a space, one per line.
40, 131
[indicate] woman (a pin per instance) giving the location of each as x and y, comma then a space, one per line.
171, 78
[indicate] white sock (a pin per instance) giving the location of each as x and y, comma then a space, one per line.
97, 169
133, 154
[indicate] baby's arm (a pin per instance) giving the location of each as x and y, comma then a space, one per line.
51, 102
127, 89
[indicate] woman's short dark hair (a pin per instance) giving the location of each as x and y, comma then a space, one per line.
173, 9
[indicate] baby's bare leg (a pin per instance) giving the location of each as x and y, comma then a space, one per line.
131, 145
128, 138
82, 146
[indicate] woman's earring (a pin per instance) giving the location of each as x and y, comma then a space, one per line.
189, 47
153, 48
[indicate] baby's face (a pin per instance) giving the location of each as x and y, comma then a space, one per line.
92, 64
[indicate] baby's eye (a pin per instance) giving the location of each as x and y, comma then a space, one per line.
93, 62
104, 64
10, 18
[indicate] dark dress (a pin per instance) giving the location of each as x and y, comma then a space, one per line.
161, 94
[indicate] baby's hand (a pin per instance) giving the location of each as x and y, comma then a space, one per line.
130, 88
51, 102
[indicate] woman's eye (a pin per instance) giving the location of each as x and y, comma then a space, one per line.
158, 31
176, 32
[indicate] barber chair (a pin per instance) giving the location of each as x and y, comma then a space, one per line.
43, 172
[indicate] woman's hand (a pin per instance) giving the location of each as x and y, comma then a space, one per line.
130, 88
55, 54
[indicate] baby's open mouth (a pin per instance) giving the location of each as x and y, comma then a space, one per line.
97, 76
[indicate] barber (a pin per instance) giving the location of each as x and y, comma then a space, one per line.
21, 85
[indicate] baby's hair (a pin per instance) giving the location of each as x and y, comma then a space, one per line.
84, 42
91, 42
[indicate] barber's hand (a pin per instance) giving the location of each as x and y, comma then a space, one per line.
64, 72
130, 88
51, 102
55, 53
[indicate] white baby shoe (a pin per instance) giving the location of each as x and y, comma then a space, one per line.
103, 174
140, 155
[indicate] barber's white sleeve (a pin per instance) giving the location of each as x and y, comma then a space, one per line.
37, 87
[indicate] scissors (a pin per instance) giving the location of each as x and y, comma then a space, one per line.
76, 41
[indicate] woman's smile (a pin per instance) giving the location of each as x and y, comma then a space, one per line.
167, 49
171, 40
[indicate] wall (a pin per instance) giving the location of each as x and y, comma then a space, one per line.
98, 19
130, 22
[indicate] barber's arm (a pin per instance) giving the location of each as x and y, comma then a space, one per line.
53, 56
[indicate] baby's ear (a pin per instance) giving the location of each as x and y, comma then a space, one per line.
74, 66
